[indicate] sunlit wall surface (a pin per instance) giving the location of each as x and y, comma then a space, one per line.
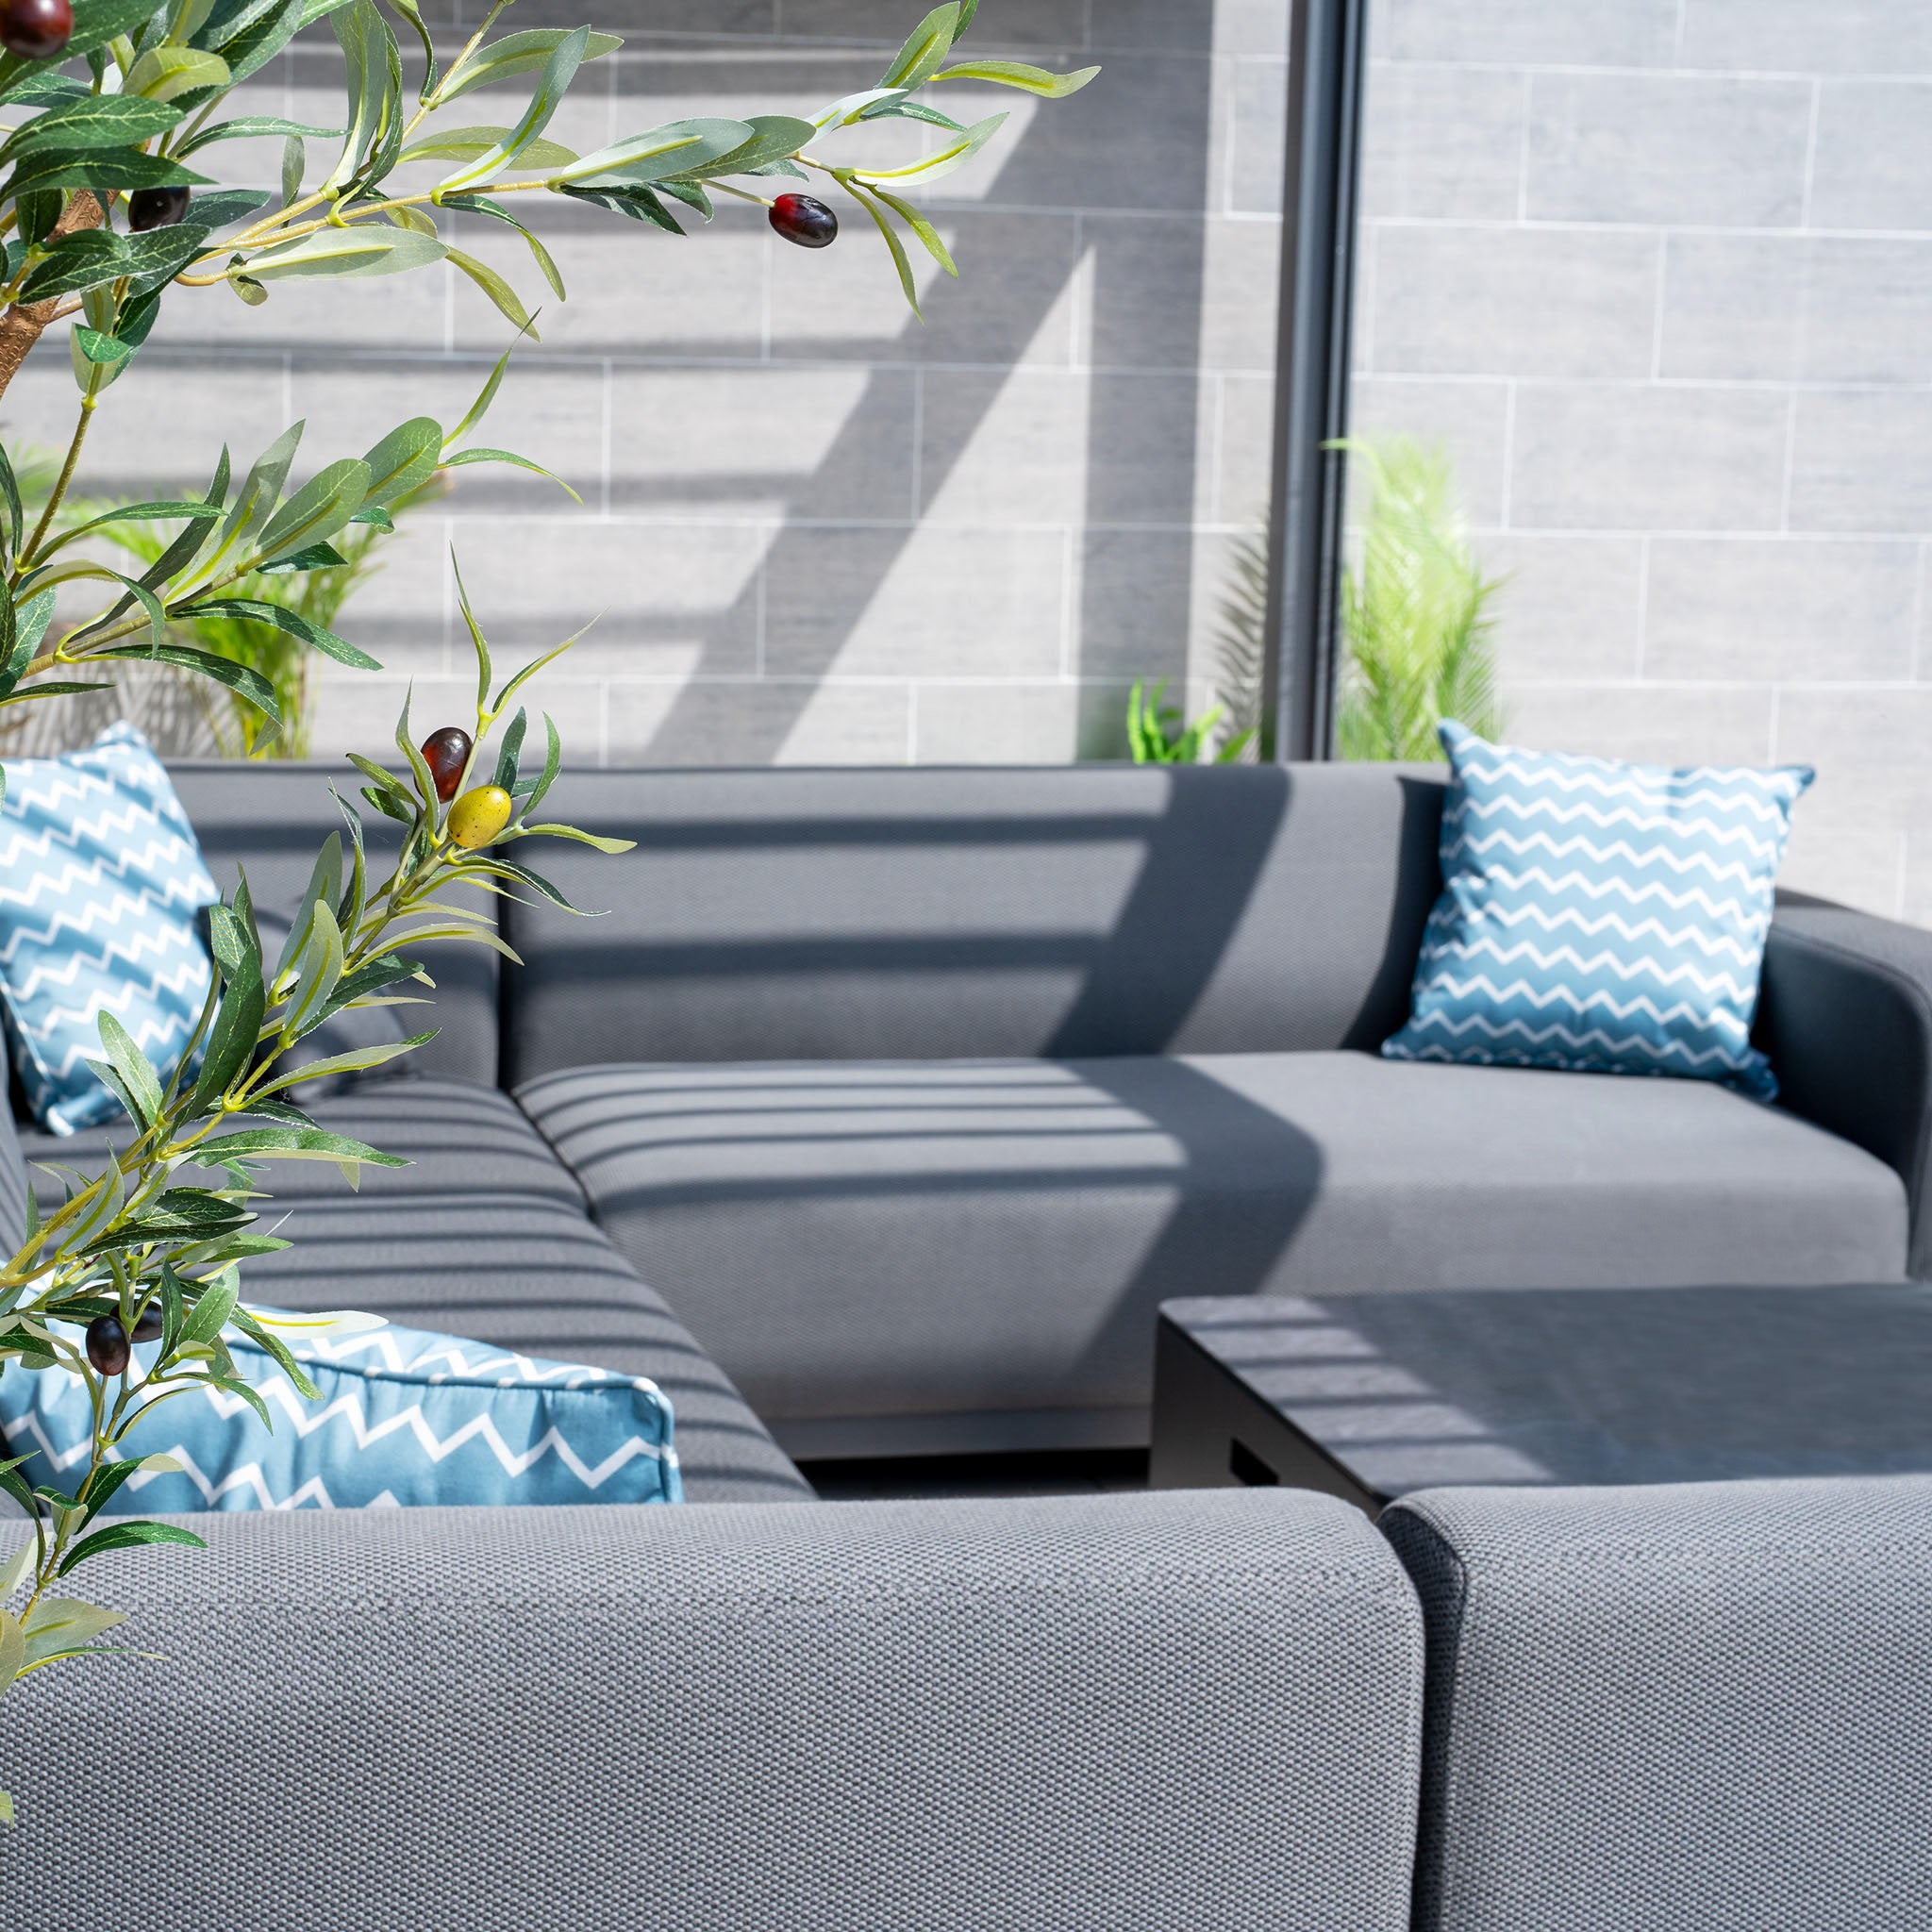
1659, 274
816, 529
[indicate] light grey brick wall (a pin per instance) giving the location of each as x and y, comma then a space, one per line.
816, 529
1659, 274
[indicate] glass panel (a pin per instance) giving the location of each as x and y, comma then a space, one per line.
818, 529
1657, 277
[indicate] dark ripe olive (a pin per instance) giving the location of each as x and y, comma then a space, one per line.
155, 208
149, 1324
106, 1344
446, 752
35, 29
806, 220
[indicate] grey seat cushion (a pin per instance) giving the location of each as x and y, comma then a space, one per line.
487, 1237
970, 1254
457, 1137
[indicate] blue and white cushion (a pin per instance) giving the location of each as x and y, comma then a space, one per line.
404, 1418
1600, 917
100, 882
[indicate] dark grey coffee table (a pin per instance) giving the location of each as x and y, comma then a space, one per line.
1369, 1396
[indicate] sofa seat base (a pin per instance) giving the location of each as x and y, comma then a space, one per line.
909, 1256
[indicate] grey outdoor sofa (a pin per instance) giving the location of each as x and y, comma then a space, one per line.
896, 1101
885, 1106
1674, 1709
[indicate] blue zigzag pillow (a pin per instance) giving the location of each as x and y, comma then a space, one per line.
1600, 917
100, 881
405, 1418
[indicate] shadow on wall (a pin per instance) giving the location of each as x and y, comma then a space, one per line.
1128, 576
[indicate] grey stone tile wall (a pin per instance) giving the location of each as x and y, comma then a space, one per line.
815, 528
1658, 272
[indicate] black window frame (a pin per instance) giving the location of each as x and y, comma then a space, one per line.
1311, 371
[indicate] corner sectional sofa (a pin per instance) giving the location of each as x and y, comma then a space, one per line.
878, 1117
883, 1107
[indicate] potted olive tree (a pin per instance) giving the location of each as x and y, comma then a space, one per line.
104, 217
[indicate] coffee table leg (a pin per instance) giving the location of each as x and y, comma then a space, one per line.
1213, 1432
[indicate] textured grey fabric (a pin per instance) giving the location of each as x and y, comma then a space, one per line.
1846, 1017
1108, 1714
1653, 1709
992, 1238
457, 1137
272, 820
881, 914
536, 1276
486, 1237
13, 1169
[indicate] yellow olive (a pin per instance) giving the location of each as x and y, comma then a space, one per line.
477, 816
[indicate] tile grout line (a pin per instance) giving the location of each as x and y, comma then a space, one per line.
1217, 447
1784, 514
760, 601
1069, 566
1642, 604
607, 453
1913, 658
1506, 503
1656, 328
1522, 147
1810, 153
918, 464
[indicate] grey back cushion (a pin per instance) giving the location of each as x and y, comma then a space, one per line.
1091, 1715
272, 820
1685, 1705
932, 913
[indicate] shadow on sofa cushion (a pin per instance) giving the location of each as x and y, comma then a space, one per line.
457, 1138
906, 1256
486, 1237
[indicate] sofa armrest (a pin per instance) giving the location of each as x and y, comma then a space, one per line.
1845, 1014
1696, 1705
1175, 1711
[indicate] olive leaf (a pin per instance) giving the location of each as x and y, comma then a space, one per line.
560, 70
1032, 80
927, 47
341, 253
513, 55
677, 148
126, 1536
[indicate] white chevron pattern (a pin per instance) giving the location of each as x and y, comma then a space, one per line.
403, 1418
1597, 916
100, 882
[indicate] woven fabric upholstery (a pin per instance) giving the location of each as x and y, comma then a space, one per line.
1653, 1709
1022, 1220
485, 1235
1846, 1017
458, 1139
924, 914
1181, 1713
536, 1277
14, 1178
